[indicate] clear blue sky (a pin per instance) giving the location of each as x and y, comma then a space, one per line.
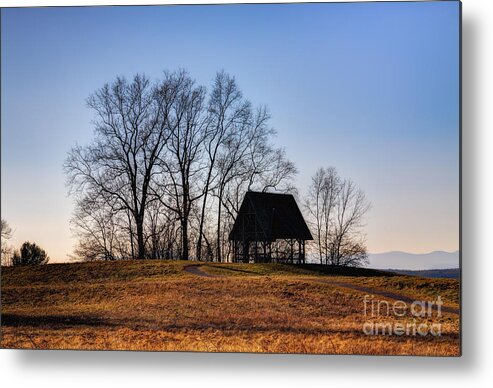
369, 88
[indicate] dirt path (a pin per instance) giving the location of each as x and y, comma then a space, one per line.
196, 270
375, 291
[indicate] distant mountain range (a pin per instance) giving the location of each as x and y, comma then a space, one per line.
414, 261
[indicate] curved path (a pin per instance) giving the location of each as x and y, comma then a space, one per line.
196, 270
385, 294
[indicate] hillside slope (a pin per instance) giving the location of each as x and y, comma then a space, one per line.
156, 305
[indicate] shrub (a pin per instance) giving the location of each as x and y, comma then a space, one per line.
30, 254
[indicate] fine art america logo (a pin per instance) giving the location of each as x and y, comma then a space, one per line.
402, 319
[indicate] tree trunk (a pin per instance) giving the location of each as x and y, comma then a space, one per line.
140, 237
184, 219
184, 239
201, 226
219, 232
132, 238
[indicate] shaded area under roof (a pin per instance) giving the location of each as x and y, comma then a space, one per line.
269, 217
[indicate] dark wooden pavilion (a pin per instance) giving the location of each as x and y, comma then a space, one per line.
269, 228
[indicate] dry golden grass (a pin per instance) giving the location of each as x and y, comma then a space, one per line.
414, 286
155, 305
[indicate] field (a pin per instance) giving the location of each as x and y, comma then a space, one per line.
173, 306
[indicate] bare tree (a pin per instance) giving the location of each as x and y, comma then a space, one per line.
276, 171
321, 201
182, 164
348, 244
131, 132
162, 231
227, 111
100, 236
6, 235
336, 210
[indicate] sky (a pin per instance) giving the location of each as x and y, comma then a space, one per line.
370, 88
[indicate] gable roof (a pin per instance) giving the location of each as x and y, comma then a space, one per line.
268, 217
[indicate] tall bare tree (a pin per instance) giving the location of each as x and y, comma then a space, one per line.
182, 164
336, 210
228, 111
320, 203
132, 128
348, 245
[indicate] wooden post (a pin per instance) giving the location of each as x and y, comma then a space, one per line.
291, 250
300, 257
303, 250
246, 251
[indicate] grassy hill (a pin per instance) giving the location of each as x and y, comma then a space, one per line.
156, 305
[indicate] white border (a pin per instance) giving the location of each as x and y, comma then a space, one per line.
125, 369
